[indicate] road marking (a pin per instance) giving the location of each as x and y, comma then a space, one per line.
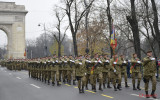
75, 87
67, 84
106, 96
18, 77
135, 95
35, 86
90, 91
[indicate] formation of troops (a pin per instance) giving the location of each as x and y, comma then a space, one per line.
99, 69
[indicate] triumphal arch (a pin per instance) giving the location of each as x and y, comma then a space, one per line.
12, 22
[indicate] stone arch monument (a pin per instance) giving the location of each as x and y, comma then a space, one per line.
12, 22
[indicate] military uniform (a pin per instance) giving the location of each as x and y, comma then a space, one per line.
93, 76
80, 74
106, 72
136, 72
124, 71
149, 64
116, 72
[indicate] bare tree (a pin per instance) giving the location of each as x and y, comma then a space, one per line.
58, 35
74, 23
132, 19
155, 22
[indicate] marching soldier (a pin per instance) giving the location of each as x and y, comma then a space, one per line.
88, 68
136, 71
106, 71
93, 76
116, 63
124, 70
80, 73
149, 64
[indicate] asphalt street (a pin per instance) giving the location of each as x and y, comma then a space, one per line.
16, 85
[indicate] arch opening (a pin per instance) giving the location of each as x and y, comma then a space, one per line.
3, 44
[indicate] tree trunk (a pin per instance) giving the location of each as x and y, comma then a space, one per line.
134, 26
110, 24
59, 50
155, 23
75, 45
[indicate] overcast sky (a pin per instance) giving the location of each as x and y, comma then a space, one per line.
39, 11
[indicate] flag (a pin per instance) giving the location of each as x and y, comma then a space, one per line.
113, 38
25, 52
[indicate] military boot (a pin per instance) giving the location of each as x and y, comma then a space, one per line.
138, 87
153, 94
80, 91
147, 96
104, 86
86, 87
48, 82
134, 88
74, 83
53, 83
115, 88
118, 87
94, 89
69, 82
64, 81
58, 84
108, 86
126, 85
100, 88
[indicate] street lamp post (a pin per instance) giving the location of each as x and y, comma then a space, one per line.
45, 44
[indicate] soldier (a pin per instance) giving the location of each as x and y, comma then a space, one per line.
80, 73
100, 72
124, 69
136, 71
64, 72
88, 68
116, 63
93, 76
106, 71
149, 64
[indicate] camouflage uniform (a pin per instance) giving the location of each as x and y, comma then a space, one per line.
116, 72
80, 74
149, 74
136, 72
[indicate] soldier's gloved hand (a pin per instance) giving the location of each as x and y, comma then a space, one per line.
107, 61
89, 61
114, 70
99, 61
124, 62
95, 61
56, 61
155, 74
53, 62
65, 61
115, 63
85, 73
152, 59
139, 62
80, 63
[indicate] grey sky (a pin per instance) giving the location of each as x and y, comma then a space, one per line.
39, 11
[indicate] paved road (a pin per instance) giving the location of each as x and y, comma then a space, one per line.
18, 86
